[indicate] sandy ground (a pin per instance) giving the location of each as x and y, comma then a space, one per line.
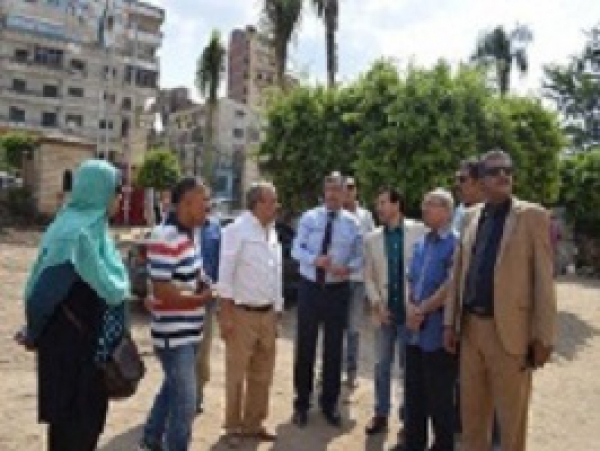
565, 411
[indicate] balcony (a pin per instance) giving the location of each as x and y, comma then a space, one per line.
145, 37
36, 97
144, 9
28, 125
28, 66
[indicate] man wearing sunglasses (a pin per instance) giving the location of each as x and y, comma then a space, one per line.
468, 188
501, 306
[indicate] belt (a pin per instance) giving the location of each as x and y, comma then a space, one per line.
480, 312
256, 308
328, 286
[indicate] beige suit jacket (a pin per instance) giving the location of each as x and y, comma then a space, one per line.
524, 291
375, 259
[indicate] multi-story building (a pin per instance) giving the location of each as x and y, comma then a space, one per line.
237, 131
80, 67
251, 68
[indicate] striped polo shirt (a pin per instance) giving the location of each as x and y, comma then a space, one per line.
174, 257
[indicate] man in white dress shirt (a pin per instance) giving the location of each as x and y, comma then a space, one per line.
356, 302
250, 287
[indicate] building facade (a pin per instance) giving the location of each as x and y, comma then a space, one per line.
83, 68
251, 67
236, 136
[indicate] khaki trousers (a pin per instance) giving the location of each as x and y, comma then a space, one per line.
249, 364
491, 379
203, 357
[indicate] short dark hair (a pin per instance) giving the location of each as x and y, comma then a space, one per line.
184, 186
396, 197
472, 166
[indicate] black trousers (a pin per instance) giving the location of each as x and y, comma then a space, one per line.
320, 306
72, 436
429, 392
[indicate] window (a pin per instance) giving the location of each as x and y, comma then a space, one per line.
67, 181
75, 92
127, 103
16, 114
49, 120
240, 113
21, 55
50, 91
77, 65
74, 120
238, 133
48, 56
103, 124
125, 128
19, 85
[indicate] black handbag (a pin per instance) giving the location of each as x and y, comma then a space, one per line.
124, 368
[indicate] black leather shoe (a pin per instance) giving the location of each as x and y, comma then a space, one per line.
300, 418
333, 417
377, 425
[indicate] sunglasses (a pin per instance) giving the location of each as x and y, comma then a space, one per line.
495, 171
461, 179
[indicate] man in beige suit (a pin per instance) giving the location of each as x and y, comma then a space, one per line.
387, 251
501, 307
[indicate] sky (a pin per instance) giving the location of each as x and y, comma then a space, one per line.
419, 31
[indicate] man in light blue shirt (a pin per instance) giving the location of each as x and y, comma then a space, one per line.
328, 247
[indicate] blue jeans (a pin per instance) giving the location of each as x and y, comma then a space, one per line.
356, 308
389, 340
170, 420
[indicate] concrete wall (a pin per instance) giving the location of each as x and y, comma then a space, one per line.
51, 161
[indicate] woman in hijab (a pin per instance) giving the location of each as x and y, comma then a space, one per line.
74, 305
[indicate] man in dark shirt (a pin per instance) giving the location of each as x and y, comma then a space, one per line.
502, 306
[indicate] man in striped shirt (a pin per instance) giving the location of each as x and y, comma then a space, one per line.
178, 298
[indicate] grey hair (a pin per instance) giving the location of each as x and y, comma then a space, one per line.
495, 154
255, 192
335, 178
443, 196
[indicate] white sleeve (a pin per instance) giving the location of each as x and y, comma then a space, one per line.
230, 249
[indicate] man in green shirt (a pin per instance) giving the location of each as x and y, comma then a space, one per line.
387, 253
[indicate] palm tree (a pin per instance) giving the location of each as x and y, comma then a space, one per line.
208, 79
329, 10
281, 18
502, 49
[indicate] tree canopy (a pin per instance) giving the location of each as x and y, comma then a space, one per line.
408, 129
13, 146
160, 170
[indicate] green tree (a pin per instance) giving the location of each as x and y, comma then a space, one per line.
580, 191
208, 79
160, 170
15, 145
304, 142
502, 50
329, 11
575, 89
410, 131
282, 18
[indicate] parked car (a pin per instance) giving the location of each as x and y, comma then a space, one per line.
136, 261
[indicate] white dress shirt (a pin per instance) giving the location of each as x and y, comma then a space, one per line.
366, 225
250, 267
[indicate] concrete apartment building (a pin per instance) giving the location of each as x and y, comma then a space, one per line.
236, 137
83, 68
251, 68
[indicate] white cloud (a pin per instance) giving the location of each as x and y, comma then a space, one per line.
423, 30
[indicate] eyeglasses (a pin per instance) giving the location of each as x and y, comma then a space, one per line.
495, 171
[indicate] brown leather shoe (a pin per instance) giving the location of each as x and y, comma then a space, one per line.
262, 435
377, 425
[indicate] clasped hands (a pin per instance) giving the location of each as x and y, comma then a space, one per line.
325, 262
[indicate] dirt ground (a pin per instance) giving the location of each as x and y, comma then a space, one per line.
565, 412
